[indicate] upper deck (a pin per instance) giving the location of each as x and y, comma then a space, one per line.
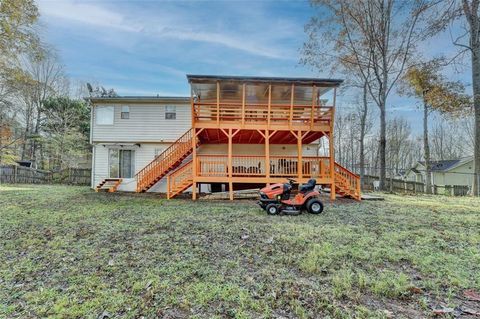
259, 103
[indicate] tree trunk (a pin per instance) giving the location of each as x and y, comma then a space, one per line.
476, 103
35, 141
363, 121
426, 149
383, 146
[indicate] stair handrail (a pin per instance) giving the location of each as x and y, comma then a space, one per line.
164, 160
352, 179
171, 178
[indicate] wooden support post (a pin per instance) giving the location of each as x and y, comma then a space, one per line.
218, 102
194, 164
267, 155
292, 99
299, 151
269, 104
243, 105
230, 184
332, 165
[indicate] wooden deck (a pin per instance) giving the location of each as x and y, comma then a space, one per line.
253, 110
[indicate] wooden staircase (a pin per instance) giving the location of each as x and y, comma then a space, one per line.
165, 162
109, 185
347, 183
179, 180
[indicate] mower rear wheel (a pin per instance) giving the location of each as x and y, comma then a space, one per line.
272, 209
314, 206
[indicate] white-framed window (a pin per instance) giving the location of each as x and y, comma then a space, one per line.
121, 163
125, 114
104, 115
170, 112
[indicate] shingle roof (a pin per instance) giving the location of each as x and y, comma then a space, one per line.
444, 165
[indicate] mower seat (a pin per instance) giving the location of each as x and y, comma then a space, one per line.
308, 187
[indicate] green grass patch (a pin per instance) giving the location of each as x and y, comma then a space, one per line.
68, 252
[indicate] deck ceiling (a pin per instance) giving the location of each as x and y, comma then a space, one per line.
216, 136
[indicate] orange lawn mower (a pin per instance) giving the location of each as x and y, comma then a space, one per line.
275, 199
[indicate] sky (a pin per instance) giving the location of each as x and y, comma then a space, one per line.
147, 47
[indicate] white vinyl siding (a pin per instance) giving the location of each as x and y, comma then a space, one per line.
146, 123
143, 155
146, 152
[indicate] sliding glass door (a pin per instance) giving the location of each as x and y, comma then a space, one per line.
121, 163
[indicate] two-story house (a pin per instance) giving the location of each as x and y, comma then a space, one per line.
232, 131
128, 132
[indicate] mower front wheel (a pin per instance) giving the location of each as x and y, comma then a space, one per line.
314, 206
272, 209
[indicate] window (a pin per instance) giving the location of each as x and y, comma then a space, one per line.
170, 112
125, 114
104, 115
121, 163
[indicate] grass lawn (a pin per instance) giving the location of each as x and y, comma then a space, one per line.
67, 252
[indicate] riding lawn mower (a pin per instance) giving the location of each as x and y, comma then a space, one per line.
275, 199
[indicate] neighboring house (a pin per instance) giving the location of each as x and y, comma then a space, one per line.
230, 131
444, 173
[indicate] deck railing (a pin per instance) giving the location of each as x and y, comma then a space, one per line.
162, 163
350, 179
254, 166
261, 113
179, 179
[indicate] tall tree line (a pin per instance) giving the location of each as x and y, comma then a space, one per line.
39, 120
376, 43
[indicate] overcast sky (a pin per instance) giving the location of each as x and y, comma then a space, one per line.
147, 47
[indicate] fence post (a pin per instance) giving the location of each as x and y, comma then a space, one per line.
14, 174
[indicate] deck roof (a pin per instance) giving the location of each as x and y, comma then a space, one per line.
192, 78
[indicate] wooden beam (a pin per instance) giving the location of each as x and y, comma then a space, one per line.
199, 131
261, 133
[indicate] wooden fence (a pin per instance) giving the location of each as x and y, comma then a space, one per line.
402, 186
14, 174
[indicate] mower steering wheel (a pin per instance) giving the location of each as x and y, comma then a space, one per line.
291, 180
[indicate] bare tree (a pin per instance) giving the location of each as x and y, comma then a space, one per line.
375, 37
44, 78
466, 14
